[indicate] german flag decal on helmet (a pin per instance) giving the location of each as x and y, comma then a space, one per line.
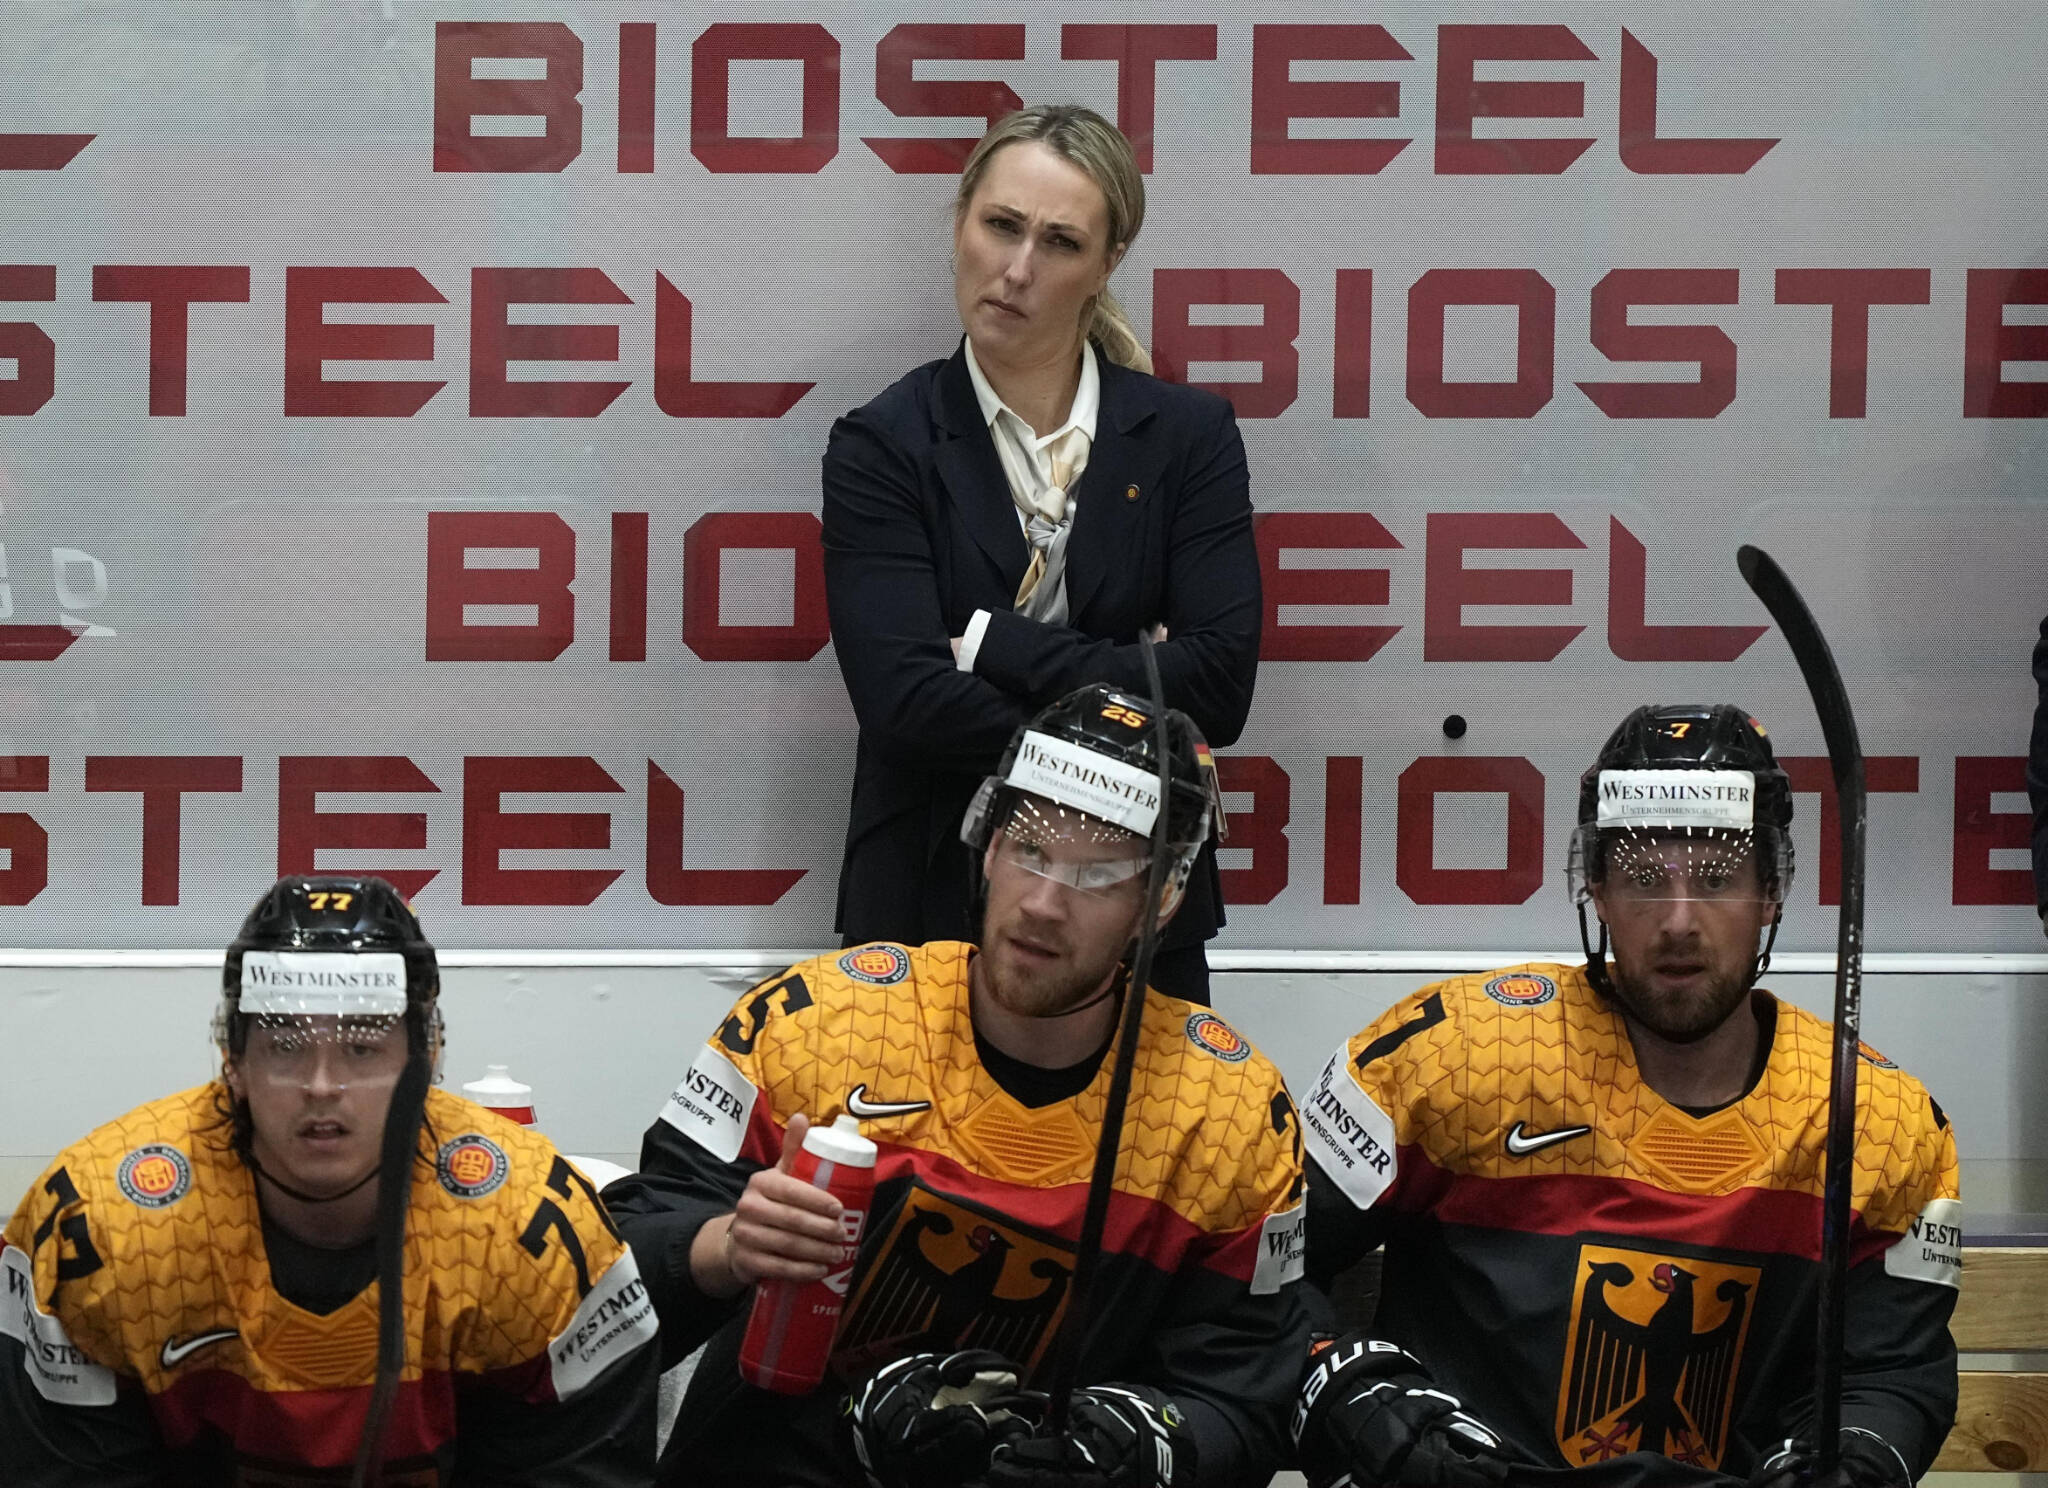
1211, 1034
877, 965
1521, 989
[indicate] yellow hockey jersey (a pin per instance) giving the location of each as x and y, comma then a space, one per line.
137, 1263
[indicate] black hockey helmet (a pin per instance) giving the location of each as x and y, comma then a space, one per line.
1692, 736
269, 971
1678, 793
1095, 752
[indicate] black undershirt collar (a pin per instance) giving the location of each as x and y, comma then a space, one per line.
313, 1277
1033, 1086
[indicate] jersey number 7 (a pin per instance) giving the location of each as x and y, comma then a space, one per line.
548, 1216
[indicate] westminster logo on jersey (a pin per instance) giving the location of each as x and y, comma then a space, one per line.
951, 1276
1651, 1359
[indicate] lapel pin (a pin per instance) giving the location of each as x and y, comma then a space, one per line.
1130, 493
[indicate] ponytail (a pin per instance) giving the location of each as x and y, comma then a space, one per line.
1109, 326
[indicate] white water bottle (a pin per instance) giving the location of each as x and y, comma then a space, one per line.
498, 1091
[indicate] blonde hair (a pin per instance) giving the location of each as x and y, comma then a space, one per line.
1086, 140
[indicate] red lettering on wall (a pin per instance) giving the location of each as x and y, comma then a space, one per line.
1535, 303
494, 342
170, 290
1351, 356
40, 152
905, 95
162, 781
1177, 342
309, 341
636, 97
1850, 293
22, 837
1709, 347
1277, 531
1631, 637
1644, 153
303, 829
543, 586
1449, 586
24, 342
704, 549
1811, 774
1260, 831
669, 882
488, 830
1278, 100
1415, 867
459, 96
1989, 343
1343, 827
711, 59
676, 391
36, 642
1460, 98
1980, 831
1137, 52
629, 586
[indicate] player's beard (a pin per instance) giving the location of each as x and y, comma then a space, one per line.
1050, 993
1687, 1016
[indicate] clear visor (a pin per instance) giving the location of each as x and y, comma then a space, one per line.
1072, 848
1706, 864
324, 1052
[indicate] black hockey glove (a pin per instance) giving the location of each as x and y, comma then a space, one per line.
931, 1420
1368, 1411
1867, 1460
1117, 1436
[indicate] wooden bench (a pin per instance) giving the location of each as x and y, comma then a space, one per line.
2002, 1414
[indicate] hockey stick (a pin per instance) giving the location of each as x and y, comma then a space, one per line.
1845, 759
394, 1197
1066, 1362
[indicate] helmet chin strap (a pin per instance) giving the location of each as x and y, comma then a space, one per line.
303, 1197
1596, 957
1110, 988
1117, 977
1763, 957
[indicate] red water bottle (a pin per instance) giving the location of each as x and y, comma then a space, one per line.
789, 1332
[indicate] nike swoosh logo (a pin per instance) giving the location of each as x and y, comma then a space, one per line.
858, 1104
176, 1352
1520, 1142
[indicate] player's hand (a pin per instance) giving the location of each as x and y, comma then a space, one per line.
1369, 1411
784, 1228
1117, 1436
931, 1421
1866, 1460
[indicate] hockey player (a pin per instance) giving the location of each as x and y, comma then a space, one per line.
193, 1292
1599, 1187
980, 1072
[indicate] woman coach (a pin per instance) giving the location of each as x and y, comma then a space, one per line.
1001, 526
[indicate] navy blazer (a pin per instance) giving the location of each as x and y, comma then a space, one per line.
920, 532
